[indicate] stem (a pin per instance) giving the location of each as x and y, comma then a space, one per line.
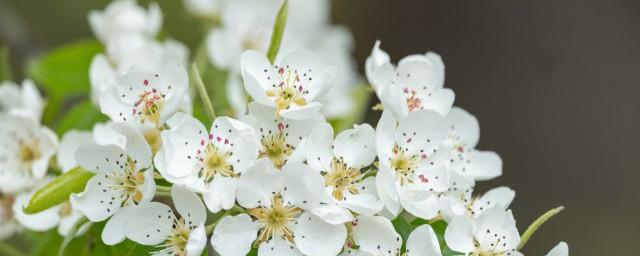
195, 73
536, 224
163, 191
9, 250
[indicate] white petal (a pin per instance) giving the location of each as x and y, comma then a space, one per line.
363, 203
482, 165
459, 235
421, 130
98, 201
303, 186
440, 100
136, 146
41, 221
70, 142
189, 206
313, 236
562, 249
333, 214
356, 146
422, 204
423, 242
319, 153
301, 113
386, 187
258, 184
197, 241
221, 193
385, 137
278, 246
501, 196
113, 232
149, 223
100, 159
464, 127
393, 100
376, 235
234, 235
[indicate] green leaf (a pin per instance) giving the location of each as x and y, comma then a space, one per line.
403, 228
58, 191
9, 250
5, 65
82, 116
278, 31
65, 70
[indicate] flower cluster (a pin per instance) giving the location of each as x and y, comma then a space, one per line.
275, 177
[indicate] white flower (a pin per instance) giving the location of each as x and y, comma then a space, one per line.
27, 148
463, 137
494, 232
70, 142
154, 223
375, 235
125, 16
280, 140
204, 8
124, 178
412, 162
208, 162
25, 100
342, 165
128, 50
245, 25
146, 97
63, 216
290, 86
278, 220
562, 249
8, 224
416, 84
459, 200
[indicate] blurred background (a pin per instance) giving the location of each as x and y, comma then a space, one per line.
554, 83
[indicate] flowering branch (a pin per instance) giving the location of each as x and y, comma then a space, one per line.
202, 90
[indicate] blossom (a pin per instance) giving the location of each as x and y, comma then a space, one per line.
375, 235
415, 84
494, 232
124, 179
459, 200
204, 8
342, 164
27, 148
8, 224
127, 50
125, 16
279, 218
464, 133
280, 140
25, 100
208, 162
412, 162
290, 86
146, 97
154, 223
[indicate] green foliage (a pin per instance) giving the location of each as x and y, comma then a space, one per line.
5, 64
63, 72
81, 116
278, 31
58, 191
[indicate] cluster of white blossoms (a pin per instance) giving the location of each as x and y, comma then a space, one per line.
275, 178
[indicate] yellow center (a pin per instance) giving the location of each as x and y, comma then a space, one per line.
275, 220
342, 179
276, 149
404, 165
128, 181
215, 162
288, 92
176, 244
29, 152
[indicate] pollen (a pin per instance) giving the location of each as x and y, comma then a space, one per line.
275, 220
276, 149
289, 91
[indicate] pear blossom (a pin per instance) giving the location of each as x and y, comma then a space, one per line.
204, 8
494, 232
25, 99
27, 148
208, 162
279, 218
562, 249
375, 235
291, 85
154, 223
62, 216
124, 178
280, 140
342, 164
412, 162
415, 84
146, 97
464, 133
127, 50
125, 16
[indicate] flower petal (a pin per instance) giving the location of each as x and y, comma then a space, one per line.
258, 184
189, 206
234, 235
319, 144
423, 242
149, 223
356, 146
376, 235
313, 236
333, 214
459, 235
303, 186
